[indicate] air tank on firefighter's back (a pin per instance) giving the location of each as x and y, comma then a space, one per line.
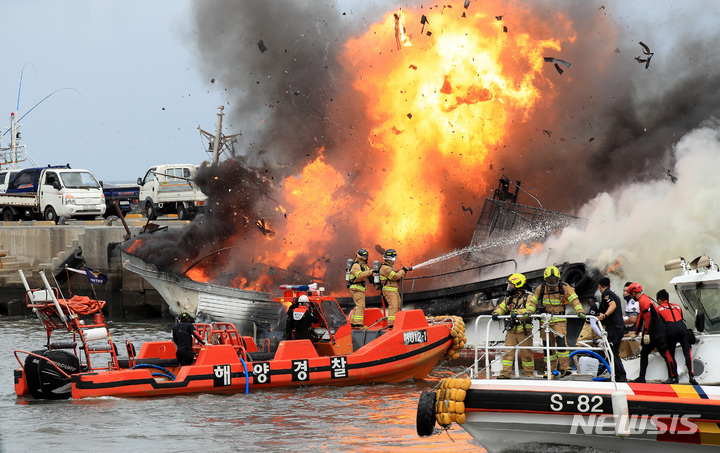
348, 266
376, 274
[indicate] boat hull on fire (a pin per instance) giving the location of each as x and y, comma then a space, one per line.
249, 311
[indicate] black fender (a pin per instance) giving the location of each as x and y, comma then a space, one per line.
425, 421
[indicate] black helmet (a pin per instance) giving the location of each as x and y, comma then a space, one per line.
185, 317
362, 253
390, 254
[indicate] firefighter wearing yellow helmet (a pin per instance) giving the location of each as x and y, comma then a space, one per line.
519, 330
390, 280
552, 297
359, 273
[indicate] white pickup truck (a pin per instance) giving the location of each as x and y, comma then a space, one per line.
168, 189
50, 193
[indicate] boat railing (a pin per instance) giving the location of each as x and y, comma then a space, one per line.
443, 279
544, 327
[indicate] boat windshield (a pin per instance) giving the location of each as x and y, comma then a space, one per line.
710, 299
79, 180
333, 315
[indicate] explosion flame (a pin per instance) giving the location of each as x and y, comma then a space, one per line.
371, 142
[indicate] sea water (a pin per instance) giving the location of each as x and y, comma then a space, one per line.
363, 418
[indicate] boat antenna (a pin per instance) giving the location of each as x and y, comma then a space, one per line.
43, 99
14, 119
22, 71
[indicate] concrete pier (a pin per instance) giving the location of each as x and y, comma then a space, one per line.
44, 246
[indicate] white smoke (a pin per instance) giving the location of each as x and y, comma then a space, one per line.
646, 224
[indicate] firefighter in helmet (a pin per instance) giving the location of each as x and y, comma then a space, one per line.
552, 297
300, 318
359, 273
518, 327
389, 279
182, 334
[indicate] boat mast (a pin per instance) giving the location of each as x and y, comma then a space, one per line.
13, 138
218, 141
15, 152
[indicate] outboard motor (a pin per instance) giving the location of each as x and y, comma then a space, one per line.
43, 379
348, 266
376, 274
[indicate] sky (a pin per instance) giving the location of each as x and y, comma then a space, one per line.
131, 91
130, 81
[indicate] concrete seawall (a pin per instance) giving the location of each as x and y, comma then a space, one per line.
44, 246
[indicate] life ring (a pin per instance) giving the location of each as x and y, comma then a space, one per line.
425, 421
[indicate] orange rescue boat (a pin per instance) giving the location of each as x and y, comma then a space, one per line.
231, 363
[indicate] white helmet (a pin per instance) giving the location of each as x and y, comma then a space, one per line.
303, 299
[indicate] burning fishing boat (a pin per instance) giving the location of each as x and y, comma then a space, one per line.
471, 290
250, 311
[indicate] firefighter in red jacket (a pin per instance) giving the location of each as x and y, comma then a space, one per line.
390, 280
519, 330
552, 297
676, 332
653, 332
359, 273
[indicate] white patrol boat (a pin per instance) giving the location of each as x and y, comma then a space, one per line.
591, 410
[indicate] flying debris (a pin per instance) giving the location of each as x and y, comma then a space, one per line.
672, 178
646, 51
261, 46
467, 209
549, 134
498, 17
423, 21
212, 80
467, 4
401, 39
264, 228
556, 61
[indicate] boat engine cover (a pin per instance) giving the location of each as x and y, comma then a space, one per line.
44, 381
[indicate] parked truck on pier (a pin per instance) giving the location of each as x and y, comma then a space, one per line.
170, 189
126, 196
50, 193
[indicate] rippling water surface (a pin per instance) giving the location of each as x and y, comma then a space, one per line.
319, 419
377, 418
